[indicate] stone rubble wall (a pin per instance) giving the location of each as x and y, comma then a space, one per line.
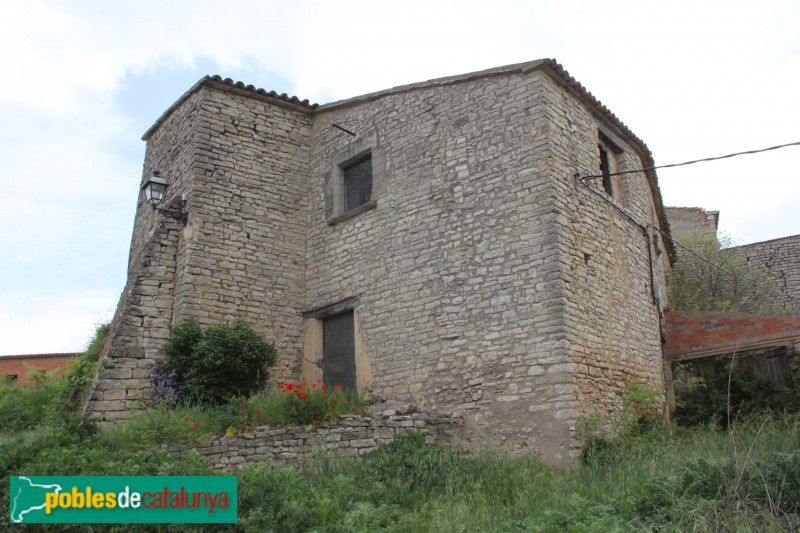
157, 257
246, 239
456, 268
684, 221
778, 264
612, 326
352, 435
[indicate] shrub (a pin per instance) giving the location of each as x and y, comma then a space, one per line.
74, 388
607, 436
213, 365
705, 400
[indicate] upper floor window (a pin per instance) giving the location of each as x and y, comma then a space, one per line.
609, 166
357, 178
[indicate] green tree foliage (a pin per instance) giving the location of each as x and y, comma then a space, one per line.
213, 365
707, 400
698, 285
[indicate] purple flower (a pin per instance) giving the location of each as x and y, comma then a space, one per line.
218, 362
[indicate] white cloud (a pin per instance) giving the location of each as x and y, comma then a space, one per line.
40, 323
692, 79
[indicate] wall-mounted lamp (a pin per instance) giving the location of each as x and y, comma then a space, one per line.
154, 190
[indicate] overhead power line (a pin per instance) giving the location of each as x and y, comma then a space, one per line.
725, 270
705, 159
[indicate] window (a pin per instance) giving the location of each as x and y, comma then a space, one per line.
605, 170
609, 166
357, 179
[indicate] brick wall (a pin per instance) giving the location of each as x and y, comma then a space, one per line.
19, 365
706, 334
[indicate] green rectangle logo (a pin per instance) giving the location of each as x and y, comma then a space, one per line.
123, 499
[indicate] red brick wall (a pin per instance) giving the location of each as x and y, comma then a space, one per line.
16, 364
696, 334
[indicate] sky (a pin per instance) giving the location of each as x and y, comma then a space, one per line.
81, 81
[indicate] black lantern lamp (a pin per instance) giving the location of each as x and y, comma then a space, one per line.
154, 190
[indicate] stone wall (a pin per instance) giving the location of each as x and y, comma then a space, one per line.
246, 238
455, 269
350, 436
613, 277
778, 264
685, 221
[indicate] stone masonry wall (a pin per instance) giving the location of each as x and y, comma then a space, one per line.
778, 263
146, 307
350, 436
685, 221
456, 269
247, 233
612, 322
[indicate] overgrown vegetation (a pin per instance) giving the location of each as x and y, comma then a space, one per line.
211, 365
696, 284
645, 477
727, 392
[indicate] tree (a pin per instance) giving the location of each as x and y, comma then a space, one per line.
712, 276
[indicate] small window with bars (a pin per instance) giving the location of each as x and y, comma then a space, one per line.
357, 178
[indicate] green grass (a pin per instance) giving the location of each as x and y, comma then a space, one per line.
664, 479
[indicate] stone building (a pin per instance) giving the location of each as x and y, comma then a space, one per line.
685, 221
431, 243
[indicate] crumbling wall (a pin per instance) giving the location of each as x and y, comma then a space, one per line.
685, 221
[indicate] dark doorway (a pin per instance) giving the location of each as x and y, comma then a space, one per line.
339, 351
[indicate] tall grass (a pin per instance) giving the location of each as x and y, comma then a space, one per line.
660, 479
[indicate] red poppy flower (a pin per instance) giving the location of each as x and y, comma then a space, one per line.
288, 386
304, 383
348, 401
319, 381
186, 419
324, 386
339, 386
302, 395
197, 425
322, 395
314, 386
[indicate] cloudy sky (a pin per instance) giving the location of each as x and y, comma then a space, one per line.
82, 81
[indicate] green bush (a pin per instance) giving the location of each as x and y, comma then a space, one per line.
213, 365
74, 387
704, 401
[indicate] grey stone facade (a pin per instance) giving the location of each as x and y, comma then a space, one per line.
350, 436
778, 263
484, 277
685, 221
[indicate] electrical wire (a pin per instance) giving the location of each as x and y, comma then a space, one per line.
717, 158
791, 300
726, 271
